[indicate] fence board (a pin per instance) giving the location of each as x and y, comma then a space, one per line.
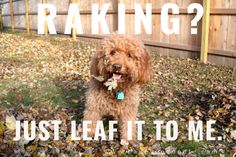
27, 25
12, 16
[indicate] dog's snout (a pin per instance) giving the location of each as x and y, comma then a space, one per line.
117, 66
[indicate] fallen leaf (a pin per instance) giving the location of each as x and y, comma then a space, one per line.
32, 148
2, 128
170, 150
11, 122
233, 134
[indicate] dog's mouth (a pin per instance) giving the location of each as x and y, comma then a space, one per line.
117, 76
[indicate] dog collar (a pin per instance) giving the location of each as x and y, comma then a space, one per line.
120, 95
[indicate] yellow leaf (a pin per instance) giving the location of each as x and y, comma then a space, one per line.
143, 149
32, 148
2, 128
11, 122
75, 101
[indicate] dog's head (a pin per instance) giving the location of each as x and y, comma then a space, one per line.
123, 58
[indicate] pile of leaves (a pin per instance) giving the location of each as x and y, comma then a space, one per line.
45, 78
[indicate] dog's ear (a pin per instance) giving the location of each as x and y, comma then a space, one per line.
145, 72
94, 67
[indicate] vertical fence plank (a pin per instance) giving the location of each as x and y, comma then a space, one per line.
74, 31
45, 24
205, 31
27, 24
120, 2
12, 16
1, 20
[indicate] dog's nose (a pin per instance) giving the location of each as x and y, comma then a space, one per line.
117, 66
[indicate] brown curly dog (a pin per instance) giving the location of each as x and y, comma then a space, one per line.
125, 59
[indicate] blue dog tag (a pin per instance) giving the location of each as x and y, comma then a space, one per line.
120, 95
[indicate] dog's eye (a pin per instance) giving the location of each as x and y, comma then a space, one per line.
113, 53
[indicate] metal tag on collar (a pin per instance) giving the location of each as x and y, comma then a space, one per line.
120, 95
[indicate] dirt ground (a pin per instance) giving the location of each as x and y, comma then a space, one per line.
45, 78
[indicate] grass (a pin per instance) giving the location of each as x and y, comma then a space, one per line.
53, 72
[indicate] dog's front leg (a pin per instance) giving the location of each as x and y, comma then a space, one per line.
123, 122
93, 116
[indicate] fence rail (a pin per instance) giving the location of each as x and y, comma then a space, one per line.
132, 11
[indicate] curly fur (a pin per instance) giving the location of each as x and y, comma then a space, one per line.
136, 71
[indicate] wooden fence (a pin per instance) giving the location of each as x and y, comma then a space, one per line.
218, 46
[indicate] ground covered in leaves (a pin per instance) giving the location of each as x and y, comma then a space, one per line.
45, 78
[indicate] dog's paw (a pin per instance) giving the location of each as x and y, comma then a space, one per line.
132, 143
124, 142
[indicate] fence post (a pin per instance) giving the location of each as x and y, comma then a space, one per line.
205, 31
12, 16
74, 31
45, 24
27, 24
1, 20
118, 17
